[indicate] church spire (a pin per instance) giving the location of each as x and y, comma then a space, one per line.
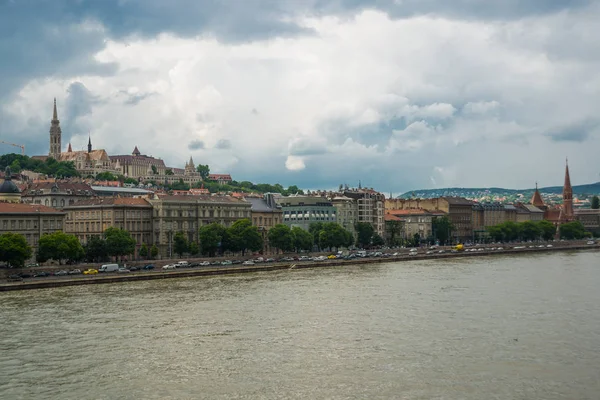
70, 150
89, 143
536, 199
567, 207
55, 135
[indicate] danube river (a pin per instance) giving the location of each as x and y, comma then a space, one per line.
504, 327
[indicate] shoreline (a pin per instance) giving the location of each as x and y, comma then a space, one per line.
44, 283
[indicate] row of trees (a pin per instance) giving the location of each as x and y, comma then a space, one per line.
534, 230
50, 166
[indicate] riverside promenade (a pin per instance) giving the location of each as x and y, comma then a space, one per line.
51, 282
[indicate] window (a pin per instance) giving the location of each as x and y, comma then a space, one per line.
62, 202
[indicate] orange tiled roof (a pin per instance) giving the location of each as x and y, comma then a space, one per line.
20, 208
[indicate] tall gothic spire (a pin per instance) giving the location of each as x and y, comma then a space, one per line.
55, 135
89, 143
567, 207
70, 149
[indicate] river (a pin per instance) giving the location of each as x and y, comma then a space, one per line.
504, 327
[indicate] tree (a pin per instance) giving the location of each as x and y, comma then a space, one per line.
204, 171
154, 170
180, 244
511, 230
416, 239
595, 202
14, 249
547, 229
211, 237
95, 249
153, 251
315, 229
496, 233
168, 171
364, 232
377, 240
143, 251
118, 242
572, 230
442, 229
303, 240
194, 248
106, 176
333, 235
394, 228
243, 236
530, 230
280, 236
59, 246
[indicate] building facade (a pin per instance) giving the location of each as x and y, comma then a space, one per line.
30, 220
57, 193
590, 218
413, 221
301, 211
347, 212
371, 207
92, 217
266, 213
458, 209
187, 214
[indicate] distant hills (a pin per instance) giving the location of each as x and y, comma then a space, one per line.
586, 190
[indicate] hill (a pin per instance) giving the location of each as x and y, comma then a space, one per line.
585, 190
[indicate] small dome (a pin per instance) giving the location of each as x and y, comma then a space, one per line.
8, 186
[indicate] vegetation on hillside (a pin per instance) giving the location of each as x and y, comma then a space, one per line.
50, 166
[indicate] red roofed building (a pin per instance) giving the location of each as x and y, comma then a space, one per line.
221, 179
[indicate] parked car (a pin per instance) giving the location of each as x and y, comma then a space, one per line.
15, 278
248, 262
41, 274
226, 262
33, 265
169, 266
90, 271
591, 242
134, 268
148, 267
204, 263
121, 270
61, 273
74, 272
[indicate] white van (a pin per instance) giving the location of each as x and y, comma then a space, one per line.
109, 268
182, 264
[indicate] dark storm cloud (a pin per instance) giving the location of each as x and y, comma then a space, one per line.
223, 144
578, 132
196, 145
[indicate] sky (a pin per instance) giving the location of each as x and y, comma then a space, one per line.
399, 94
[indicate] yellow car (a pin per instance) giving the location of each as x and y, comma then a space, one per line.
331, 257
90, 271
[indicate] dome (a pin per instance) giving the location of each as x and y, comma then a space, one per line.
8, 186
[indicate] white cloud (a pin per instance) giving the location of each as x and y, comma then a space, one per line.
362, 96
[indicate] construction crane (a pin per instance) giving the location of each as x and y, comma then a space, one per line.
16, 145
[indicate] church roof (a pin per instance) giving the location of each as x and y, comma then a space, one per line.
536, 199
567, 178
94, 155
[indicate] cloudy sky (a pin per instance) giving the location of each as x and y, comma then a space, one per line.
400, 94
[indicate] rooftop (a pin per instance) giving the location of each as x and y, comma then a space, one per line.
112, 201
108, 189
261, 205
22, 208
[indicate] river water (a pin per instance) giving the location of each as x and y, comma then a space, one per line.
504, 327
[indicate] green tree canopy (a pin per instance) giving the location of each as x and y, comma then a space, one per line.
303, 240
595, 202
59, 246
106, 176
364, 233
119, 242
547, 229
243, 236
332, 235
180, 244
211, 237
95, 249
144, 251
204, 171
280, 236
573, 230
153, 251
379, 241
14, 249
50, 166
442, 229
194, 248
394, 229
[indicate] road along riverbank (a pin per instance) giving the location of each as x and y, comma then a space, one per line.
44, 283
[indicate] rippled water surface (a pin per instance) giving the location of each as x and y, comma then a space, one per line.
514, 327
